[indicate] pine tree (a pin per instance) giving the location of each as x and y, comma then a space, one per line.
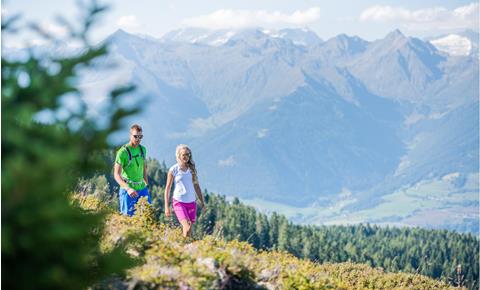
262, 230
284, 236
46, 242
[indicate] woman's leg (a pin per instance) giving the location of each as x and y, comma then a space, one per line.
186, 214
192, 215
189, 234
186, 227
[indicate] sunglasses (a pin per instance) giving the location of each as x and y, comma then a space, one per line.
137, 136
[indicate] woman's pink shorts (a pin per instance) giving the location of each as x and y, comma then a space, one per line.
185, 210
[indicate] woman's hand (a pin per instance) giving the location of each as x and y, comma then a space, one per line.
168, 213
204, 209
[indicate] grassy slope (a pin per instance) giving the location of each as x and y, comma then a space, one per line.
167, 261
431, 203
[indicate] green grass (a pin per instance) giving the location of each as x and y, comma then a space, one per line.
406, 205
167, 261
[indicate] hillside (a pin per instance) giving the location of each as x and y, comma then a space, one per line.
167, 261
433, 253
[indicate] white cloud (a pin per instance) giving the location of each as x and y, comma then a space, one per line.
229, 162
128, 22
453, 44
227, 18
36, 42
28, 38
53, 29
425, 19
262, 133
467, 11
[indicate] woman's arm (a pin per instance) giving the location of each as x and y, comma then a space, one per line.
198, 191
168, 186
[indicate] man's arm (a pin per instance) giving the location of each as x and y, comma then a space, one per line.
117, 174
145, 176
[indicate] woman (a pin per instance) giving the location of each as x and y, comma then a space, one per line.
184, 174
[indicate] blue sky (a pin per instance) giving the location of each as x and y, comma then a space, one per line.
367, 19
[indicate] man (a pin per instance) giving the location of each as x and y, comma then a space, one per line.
130, 172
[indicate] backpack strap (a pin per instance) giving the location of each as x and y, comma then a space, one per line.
141, 152
129, 154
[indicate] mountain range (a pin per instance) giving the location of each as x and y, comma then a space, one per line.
342, 130
333, 131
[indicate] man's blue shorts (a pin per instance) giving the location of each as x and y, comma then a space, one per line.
127, 203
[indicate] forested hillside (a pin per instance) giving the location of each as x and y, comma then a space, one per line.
434, 253
166, 260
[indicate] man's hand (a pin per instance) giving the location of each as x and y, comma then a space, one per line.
132, 193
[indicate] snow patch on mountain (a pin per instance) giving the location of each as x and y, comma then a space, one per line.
262, 133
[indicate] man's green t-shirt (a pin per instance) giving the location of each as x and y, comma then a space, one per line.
133, 172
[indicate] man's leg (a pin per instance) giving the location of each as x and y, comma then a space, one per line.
123, 201
144, 192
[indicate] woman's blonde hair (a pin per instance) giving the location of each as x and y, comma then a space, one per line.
190, 164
